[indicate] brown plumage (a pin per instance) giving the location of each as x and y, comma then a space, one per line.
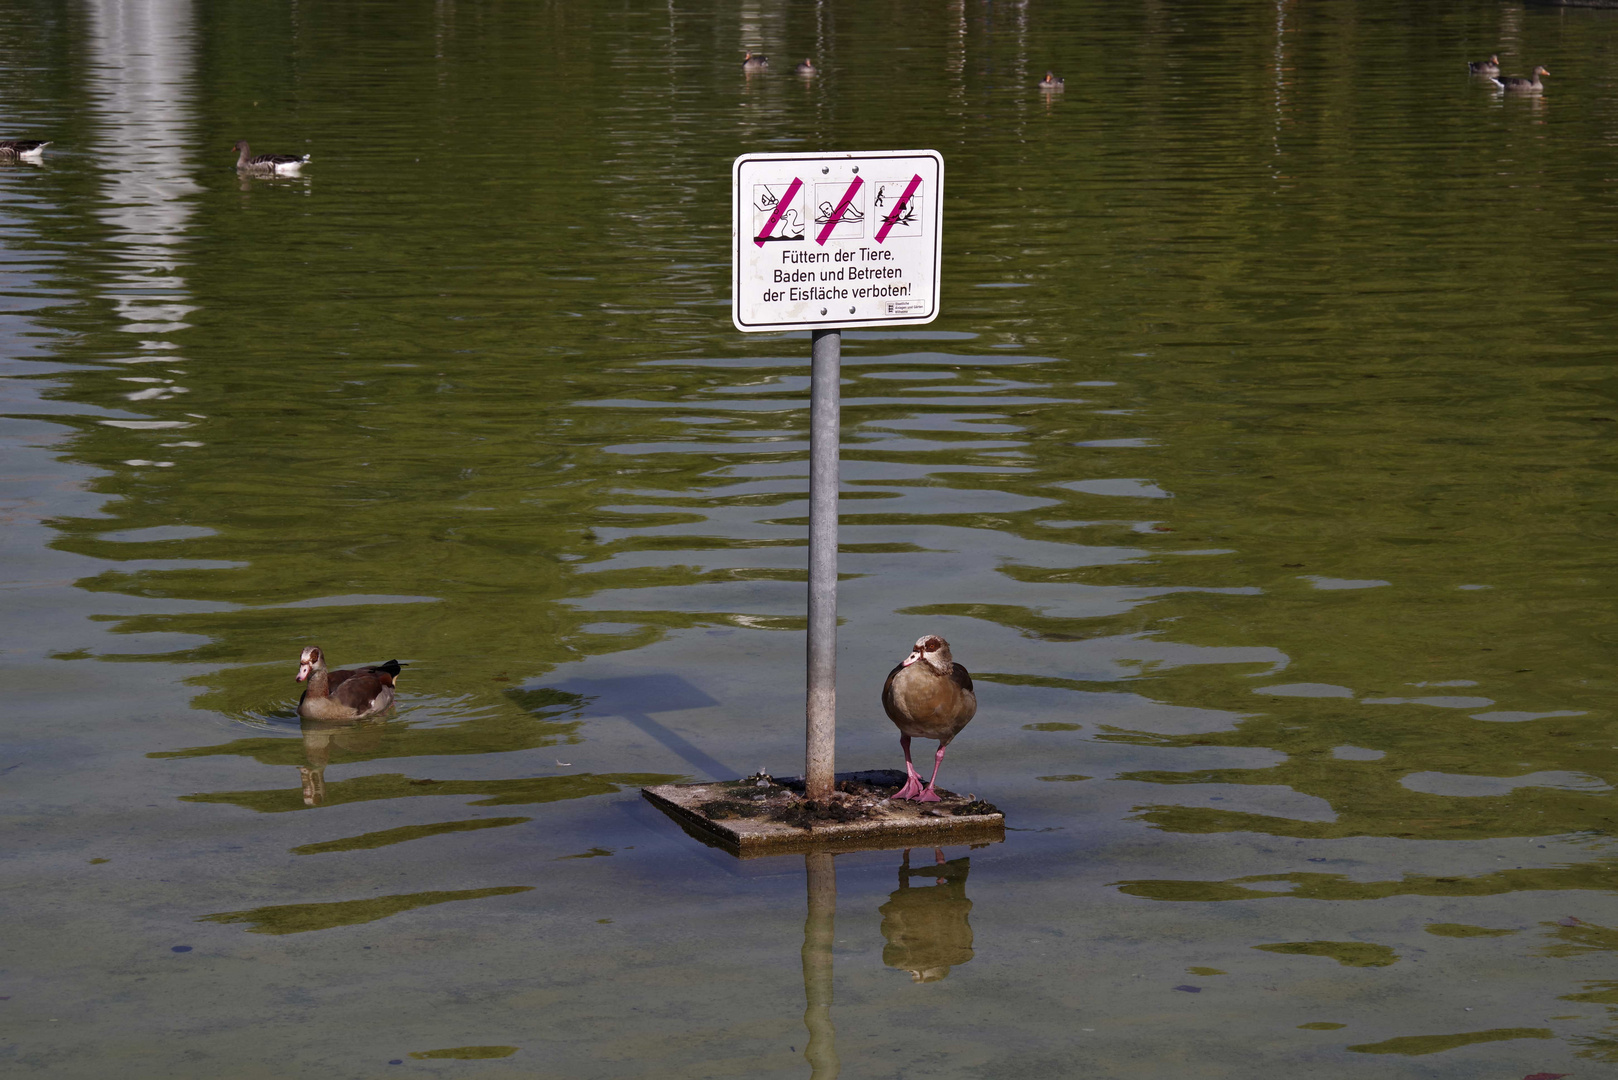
928, 696
268, 164
1521, 85
1491, 66
343, 695
926, 929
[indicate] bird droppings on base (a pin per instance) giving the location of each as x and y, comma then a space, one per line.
854, 799
760, 814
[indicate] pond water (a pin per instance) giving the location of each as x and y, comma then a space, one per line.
1261, 468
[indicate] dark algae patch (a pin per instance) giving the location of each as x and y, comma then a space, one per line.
1462, 930
1601, 877
301, 918
385, 837
466, 1053
1347, 953
1416, 1045
1579, 938
495, 792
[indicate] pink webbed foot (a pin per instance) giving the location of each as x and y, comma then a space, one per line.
911, 790
928, 795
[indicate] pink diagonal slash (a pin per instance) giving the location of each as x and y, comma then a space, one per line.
892, 219
780, 208
837, 215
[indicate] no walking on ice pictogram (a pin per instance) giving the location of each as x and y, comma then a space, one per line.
836, 240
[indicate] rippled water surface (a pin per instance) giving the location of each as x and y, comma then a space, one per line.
1261, 468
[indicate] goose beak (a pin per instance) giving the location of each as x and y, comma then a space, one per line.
303, 671
912, 658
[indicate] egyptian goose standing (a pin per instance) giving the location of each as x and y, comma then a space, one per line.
928, 696
343, 695
267, 164
22, 150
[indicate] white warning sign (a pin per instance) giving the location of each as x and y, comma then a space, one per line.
823, 240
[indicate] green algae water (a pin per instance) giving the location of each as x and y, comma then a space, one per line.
1261, 468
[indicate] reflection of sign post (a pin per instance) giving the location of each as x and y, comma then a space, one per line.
820, 242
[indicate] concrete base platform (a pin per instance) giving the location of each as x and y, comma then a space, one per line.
760, 815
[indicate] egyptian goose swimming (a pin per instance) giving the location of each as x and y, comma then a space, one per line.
343, 695
22, 150
1052, 81
267, 164
1521, 85
928, 696
1491, 66
753, 62
808, 67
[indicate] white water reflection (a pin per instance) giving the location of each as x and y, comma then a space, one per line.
141, 82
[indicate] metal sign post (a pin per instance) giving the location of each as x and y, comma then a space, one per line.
821, 242
825, 415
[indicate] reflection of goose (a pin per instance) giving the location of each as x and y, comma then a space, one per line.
926, 929
343, 695
319, 736
1052, 81
928, 696
268, 164
22, 150
1521, 85
1491, 66
750, 62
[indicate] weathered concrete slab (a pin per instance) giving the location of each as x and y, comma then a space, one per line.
760, 815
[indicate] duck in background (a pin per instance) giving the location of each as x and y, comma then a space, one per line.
1052, 81
267, 164
808, 67
1518, 84
343, 695
928, 696
1491, 66
753, 62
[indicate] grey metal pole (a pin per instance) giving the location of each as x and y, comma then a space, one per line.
819, 931
824, 434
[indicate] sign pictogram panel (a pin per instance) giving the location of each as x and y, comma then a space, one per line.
836, 240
